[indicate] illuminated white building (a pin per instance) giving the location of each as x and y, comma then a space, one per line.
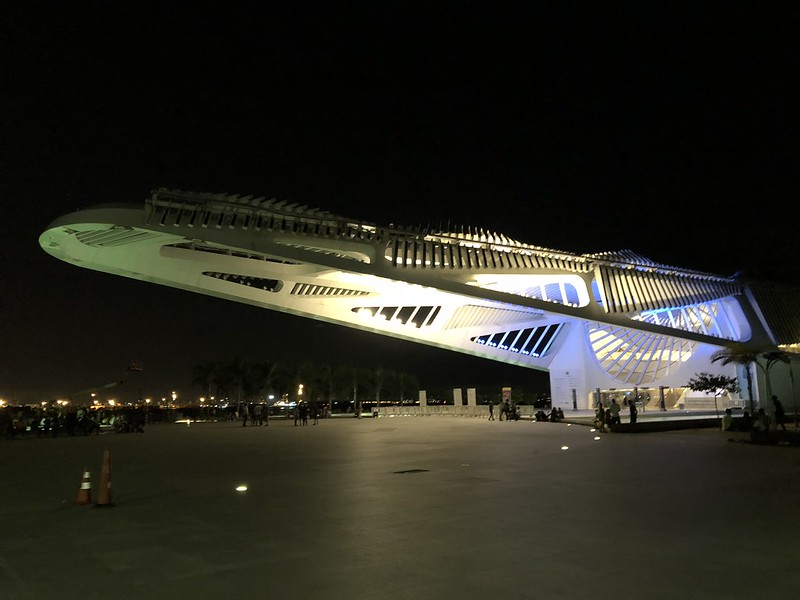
607, 323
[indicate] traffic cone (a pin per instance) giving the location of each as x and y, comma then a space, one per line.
104, 492
85, 491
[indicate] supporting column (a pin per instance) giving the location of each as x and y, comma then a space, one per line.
457, 401
472, 397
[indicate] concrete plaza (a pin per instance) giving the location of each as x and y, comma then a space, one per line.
401, 508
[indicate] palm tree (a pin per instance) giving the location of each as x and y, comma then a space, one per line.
772, 359
407, 382
794, 396
301, 373
326, 383
231, 376
266, 375
746, 356
740, 355
402, 384
359, 380
354, 376
203, 376
379, 378
341, 382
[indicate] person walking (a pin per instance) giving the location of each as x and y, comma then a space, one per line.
780, 415
634, 411
491, 410
503, 410
614, 408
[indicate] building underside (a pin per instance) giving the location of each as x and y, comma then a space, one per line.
600, 324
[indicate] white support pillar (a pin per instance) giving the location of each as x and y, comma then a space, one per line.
423, 398
472, 397
457, 397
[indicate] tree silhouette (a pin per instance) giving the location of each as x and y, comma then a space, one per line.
744, 356
203, 376
713, 384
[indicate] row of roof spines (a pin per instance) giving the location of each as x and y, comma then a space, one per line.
202, 209
236, 202
626, 292
443, 253
260, 202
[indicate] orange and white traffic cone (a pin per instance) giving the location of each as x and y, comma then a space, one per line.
104, 491
85, 491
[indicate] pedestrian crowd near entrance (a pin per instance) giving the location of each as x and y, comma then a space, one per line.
760, 424
509, 411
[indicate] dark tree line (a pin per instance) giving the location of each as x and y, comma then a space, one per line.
239, 380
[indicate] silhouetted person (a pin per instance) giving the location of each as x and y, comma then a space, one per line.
614, 408
600, 417
634, 412
780, 416
504, 410
760, 429
491, 411
746, 421
304, 413
727, 420
71, 422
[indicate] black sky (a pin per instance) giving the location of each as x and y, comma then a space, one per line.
669, 128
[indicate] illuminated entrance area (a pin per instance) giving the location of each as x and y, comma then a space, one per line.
665, 399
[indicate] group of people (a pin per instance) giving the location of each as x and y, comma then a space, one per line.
301, 413
758, 424
21, 422
608, 416
254, 413
508, 411
556, 415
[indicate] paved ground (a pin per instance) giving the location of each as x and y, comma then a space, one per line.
401, 508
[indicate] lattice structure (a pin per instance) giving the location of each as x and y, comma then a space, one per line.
595, 321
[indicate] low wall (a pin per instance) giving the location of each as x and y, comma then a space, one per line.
665, 425
526, 412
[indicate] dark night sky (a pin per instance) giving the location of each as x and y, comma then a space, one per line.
669, 128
